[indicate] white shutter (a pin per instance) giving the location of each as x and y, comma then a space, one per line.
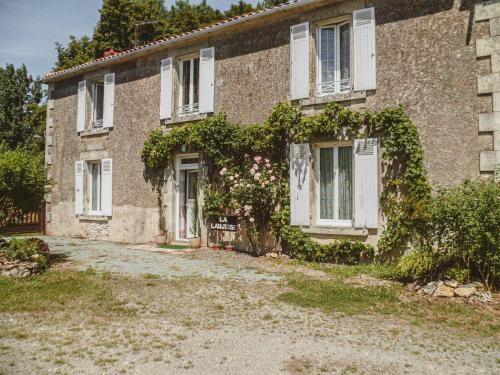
207, 76
299, 61
365, 183
79, 187
82, 96
167, 68
300, 165
365, 69
107, 187
109, 100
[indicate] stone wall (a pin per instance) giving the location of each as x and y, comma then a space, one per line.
426, 61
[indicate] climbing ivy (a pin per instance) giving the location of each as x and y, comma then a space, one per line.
226, 145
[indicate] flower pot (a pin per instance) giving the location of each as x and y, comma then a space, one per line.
229, 248
216, 247
160, 239
195, 242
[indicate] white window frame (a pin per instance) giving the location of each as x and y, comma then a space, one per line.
335, 222
338, 88
94, 123
90, 166
191, 108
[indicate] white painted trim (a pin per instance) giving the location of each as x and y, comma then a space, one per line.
99, 181
328, 222
178, 168
336, 27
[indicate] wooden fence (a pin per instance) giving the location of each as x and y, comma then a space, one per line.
27, 222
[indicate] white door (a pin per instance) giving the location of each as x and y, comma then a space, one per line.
191, 191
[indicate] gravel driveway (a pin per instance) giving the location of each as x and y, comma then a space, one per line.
209, 312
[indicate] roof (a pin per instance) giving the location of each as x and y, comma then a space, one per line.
172, 39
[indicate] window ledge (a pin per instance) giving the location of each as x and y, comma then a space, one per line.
94, 133
349, 231
93, 218
186, 118
324, 99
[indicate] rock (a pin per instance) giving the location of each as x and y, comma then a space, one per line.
272, 255
483, 296
412, 286
464, 292
451, 283
24, 273
476, 284
444, 291
430, 288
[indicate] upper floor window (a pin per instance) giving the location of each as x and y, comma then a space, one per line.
97, 103
334, 59
189, 74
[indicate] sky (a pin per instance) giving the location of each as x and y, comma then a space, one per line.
30, 28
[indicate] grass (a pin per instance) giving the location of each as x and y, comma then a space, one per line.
337, 296
66, 290
174, 247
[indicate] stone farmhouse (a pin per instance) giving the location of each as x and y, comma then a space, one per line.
440, 59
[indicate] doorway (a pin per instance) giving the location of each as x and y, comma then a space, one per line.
187, 223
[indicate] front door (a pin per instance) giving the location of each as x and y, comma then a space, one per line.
187, 223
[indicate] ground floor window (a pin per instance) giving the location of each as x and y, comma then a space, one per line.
335, 186
95, 187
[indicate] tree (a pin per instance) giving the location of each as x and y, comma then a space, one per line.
23, 182
78, 51
239, 9
126, 23
118, 21
22, 117
272, 3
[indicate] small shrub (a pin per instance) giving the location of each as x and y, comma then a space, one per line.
26, 250
299, 245
420, 265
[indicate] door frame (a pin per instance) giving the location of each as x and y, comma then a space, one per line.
179, 167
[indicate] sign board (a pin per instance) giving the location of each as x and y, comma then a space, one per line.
224, 223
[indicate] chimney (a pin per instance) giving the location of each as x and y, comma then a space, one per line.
110, 52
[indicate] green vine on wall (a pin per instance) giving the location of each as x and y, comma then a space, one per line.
227, 145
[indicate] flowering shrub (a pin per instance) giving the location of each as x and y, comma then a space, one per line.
253, 193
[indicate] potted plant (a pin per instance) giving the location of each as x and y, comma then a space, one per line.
195, 241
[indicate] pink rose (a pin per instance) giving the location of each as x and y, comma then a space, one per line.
273, 178
257, 159
223, 171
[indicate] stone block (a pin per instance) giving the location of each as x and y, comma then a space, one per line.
495, 27
488, 83
496, 142
50, 104
48, 159
487, 46
496, 102
489, 122
487, 161
487, 11
495, 63
49, 140
50, 122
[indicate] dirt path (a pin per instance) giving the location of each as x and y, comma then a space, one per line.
207, 313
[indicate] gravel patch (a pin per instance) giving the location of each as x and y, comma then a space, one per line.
140, 260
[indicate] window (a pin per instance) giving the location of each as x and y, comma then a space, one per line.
334, 193
334, 59
95, 188
97, 104
189, 73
